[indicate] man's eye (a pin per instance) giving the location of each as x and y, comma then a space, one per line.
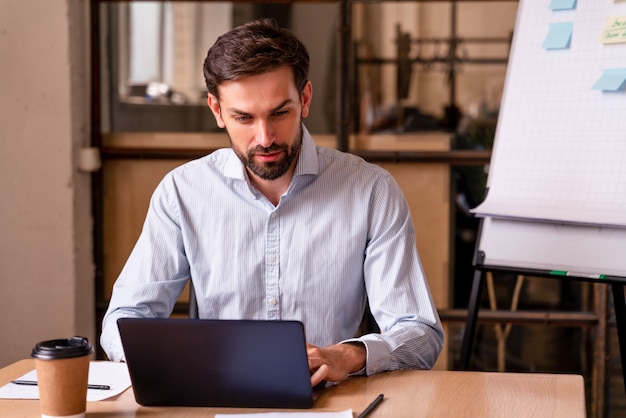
280, 113
242, 118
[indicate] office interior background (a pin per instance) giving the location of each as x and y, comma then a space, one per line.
425, 77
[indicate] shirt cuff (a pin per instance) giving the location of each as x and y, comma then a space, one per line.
377, 356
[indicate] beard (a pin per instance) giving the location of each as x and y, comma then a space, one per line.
270, 170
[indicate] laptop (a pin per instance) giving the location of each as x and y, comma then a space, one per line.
220, 363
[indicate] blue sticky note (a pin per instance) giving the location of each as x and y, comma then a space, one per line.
562, 5
613, 79
559, 35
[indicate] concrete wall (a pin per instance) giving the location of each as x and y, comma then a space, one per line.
46, 266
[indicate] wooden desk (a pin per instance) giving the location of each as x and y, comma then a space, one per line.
413, 393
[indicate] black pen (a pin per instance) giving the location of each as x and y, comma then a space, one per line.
371, 406
34, 383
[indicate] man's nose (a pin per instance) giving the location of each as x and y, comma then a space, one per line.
264, 134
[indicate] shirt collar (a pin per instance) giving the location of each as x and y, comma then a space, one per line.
307, 160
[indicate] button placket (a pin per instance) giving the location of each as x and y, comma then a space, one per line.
272, 267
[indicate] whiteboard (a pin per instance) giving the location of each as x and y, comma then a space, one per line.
557, 179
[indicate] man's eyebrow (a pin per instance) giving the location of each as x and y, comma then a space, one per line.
283, 104
242, 113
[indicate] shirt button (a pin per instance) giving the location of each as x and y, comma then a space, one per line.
272, 259
273, 301
273, 215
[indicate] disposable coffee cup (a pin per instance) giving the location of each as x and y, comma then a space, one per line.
62, 374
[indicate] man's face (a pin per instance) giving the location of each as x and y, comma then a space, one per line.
262, 115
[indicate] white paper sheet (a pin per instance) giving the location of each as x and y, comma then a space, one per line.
341, 414
100, 373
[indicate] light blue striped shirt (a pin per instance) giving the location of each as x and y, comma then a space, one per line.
341, 235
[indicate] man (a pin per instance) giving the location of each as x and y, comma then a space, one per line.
277, 228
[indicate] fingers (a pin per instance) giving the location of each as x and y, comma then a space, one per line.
320, 358
319, 375
326, 364
316, 365
315, 356
318, 369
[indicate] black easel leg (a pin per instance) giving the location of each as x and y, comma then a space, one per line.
620, 319
472, 317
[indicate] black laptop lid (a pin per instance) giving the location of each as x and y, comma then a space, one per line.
232, 363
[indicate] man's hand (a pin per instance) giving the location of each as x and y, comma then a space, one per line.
335, 362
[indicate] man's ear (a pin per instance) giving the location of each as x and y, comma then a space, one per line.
307, 95
214, 105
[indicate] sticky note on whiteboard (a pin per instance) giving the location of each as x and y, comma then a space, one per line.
562, 5
613, 79
559, 35
614, 30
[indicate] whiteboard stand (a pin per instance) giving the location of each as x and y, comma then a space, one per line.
620, 318
619, 301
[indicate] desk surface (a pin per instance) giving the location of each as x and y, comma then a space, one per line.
408, 393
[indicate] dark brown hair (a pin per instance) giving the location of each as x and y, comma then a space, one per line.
254, 48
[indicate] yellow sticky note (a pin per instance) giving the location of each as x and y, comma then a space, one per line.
614, 30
